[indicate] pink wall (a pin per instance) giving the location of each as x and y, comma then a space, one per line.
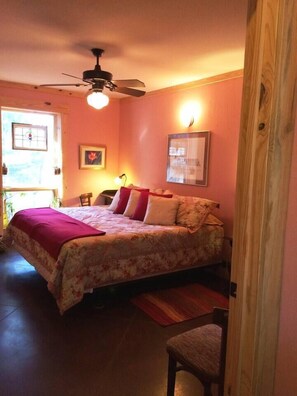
146, 123
286, 379
84, 125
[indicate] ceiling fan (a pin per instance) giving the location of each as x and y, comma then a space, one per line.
98, 80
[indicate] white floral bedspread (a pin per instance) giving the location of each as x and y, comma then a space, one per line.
129, 250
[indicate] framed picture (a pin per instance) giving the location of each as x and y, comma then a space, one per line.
91, 157
187, 160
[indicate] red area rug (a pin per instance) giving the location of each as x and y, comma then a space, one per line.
178, 304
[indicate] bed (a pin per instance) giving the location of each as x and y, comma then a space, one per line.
127, 250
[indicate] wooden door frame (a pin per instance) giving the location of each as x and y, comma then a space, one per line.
263, 174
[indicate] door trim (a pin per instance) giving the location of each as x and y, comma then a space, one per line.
263, 175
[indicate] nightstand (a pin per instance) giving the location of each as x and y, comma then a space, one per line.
108, 195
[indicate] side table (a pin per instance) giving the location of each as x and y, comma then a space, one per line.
107, 196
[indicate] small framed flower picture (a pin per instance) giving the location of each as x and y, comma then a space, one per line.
91, 157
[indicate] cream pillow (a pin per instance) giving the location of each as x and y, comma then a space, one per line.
115, 201
161, 211
132, 203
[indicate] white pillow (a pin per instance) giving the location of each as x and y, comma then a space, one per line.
161, 211
132, 203
115, 201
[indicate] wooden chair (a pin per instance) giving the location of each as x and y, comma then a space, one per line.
201, 352
85, 199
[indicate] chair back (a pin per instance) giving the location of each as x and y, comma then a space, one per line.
220, 318
85, 199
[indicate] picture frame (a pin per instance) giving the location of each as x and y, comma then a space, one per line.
92, 157
187, 160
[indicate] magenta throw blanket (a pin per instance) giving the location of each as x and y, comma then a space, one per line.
51, 229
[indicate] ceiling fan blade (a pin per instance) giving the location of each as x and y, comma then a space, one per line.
64, 85
128, 83
70, 75
89, 82
129, 91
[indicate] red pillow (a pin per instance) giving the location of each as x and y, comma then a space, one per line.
124, 198
142, 204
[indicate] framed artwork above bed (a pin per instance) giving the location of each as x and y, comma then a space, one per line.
187, 160
91, 157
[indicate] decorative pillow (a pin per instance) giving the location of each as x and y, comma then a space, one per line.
132, 203
115, 201
156, 190
160, 191
124, 197
116, 198
213, 220
193, 211
166, 192
161, 211
132, 186
142, 204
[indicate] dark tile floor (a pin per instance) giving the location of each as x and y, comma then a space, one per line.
104, 346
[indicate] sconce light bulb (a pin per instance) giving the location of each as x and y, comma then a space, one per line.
191, 121
190, 113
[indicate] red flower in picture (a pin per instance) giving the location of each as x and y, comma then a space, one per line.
92, 156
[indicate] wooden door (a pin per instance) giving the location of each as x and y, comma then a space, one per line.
264, 161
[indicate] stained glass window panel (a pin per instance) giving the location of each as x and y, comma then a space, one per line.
29, 137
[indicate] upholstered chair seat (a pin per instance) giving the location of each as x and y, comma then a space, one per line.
201, 352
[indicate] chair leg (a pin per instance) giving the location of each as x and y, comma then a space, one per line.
171, 376
207, 389
221, 389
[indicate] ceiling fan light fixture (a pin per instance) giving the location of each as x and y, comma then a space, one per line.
100, 79
97, 99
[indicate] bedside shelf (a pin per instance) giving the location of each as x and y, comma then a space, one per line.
108, 196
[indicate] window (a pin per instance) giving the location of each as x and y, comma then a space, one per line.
31, 151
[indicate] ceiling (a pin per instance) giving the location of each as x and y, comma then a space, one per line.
160, 42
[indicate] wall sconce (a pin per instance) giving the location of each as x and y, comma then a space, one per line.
189, 121
190, 113
118, 180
